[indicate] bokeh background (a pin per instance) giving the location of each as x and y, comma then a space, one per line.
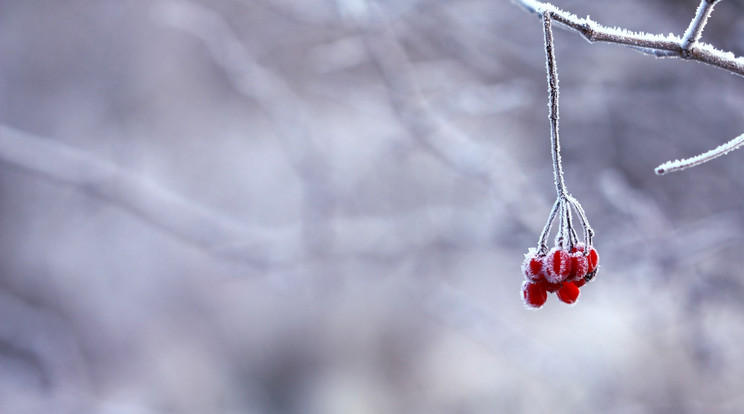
321, 207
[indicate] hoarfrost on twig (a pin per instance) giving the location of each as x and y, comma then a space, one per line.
678, 165
686, 47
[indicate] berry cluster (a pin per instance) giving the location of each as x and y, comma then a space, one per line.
560, 270
566, 267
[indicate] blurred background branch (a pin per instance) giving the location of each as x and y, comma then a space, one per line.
321, 207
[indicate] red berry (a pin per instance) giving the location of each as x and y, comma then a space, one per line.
550, 287
534, 295
578, 247
579, 283
568, 293
533, 266
558, 265
592, 260
579, 266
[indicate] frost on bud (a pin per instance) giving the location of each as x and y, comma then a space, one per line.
568, 293
533, 266
533, 295
558, 265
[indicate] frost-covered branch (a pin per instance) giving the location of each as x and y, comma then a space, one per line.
655, 44
679, 165
685, 47
695, 30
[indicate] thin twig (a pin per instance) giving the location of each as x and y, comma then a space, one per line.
433, 130
695, 30
542, 243
555, 145
588, 231
256, 246
163, 209
679, 165
275, 95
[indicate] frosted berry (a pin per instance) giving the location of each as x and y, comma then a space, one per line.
534, 295
558, 265
592, 260
580, 282
568, 293
533, 266
550, 287
579, 266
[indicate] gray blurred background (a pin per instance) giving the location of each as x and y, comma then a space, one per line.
321, 207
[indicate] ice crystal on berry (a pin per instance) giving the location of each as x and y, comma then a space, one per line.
558, 264
534, 294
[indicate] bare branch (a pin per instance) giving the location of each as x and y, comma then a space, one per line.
654, 44
686, 47
695, 30
679, 165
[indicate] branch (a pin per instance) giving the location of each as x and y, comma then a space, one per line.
695, 30
654, 44
687, 47
679, 165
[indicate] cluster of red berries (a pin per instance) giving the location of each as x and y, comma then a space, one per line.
560, 270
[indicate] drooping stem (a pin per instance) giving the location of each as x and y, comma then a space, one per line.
542, 243
555, 146
565, 229
588, 231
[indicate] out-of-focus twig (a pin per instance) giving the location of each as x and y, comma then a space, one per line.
137, 194
275, 96
444, 140
224, 237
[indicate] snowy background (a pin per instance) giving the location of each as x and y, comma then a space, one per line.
321, 207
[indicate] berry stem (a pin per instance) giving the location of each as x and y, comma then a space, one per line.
542, 243
588, 231
555, 147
